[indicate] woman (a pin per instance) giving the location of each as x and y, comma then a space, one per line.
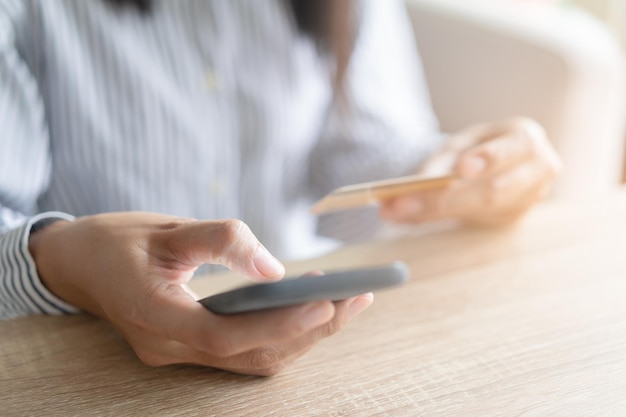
139, 117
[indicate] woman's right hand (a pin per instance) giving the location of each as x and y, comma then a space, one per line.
130, 268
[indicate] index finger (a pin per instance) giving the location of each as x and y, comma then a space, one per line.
227, 242
506, 150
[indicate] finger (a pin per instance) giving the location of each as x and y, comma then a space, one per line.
313, 273
229, 242
479, 133
440, 164
513, 195
478, 199
181, 318
239, 355
271, 359
497, 155
418, 207
484, 132
446, 159
512, 192
264, 361
281, 325
508, 144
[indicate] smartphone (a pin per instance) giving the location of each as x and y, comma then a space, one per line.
334, 286
368, 193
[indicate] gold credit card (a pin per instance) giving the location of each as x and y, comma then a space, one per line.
370, 193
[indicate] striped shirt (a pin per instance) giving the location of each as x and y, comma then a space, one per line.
203, 109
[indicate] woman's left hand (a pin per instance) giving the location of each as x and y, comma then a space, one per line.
503, 169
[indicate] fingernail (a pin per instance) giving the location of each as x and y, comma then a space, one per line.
360, 304
403, 209
266, 264
473, 166
410, 205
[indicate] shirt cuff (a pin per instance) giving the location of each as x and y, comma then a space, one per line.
21, 289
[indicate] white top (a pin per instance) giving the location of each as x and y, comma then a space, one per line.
204, 109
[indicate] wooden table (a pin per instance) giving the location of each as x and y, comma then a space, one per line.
524, 321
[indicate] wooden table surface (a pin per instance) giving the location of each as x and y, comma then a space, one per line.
524, 321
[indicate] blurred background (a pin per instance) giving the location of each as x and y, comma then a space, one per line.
559, 61
612, 12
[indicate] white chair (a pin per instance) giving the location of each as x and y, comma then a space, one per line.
487, 60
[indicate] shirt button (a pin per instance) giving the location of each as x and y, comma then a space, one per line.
217, 187
211, 80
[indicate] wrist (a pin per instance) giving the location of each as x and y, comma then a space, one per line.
41, 245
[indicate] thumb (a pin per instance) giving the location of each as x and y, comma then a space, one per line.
226, 242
